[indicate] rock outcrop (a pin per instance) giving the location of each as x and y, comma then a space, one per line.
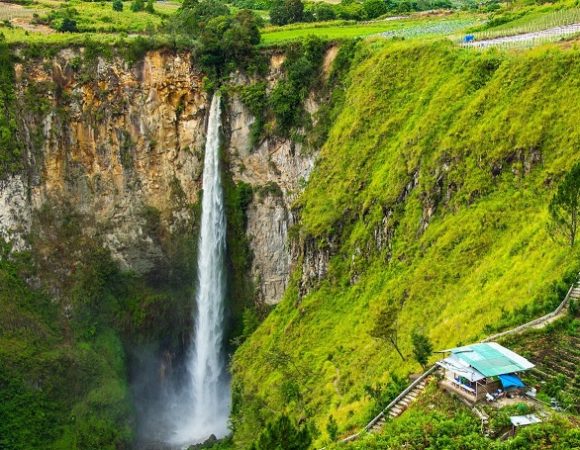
121, 144
277, 169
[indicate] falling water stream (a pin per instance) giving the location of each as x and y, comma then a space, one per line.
208, 391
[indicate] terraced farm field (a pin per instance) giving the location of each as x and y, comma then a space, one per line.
556, 353
395, 27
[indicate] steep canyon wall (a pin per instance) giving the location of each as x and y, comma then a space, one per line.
121, 145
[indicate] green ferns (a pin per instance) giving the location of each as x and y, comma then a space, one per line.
431, 192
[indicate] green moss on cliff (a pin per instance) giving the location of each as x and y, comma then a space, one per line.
432, 191
10, 149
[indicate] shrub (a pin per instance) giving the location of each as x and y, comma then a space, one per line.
137, 5
68, 25
286, 11
256, 100
302, 72
332, 428
283, 434
375, 8
117, 5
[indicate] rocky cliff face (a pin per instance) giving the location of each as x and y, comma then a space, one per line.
122, 146
118, 144
277, 169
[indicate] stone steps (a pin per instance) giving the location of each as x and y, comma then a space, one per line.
400, 406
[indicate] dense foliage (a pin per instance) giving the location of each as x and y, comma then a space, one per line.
225, 41
438, 422
422, 348
282, 434
10, 154
60, 386
431, 192
286, 11
283, 12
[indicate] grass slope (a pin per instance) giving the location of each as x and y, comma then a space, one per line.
472, 145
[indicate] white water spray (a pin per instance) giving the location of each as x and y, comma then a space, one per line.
209, 392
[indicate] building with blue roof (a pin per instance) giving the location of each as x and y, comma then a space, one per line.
479, 370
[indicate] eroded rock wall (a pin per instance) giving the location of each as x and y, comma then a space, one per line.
277, 169
119, 143
122, 145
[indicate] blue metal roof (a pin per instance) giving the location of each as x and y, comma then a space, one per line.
491, 359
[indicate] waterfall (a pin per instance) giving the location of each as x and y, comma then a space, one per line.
208, 391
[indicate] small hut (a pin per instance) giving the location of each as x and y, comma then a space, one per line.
485, 370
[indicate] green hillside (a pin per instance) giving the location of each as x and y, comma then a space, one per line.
431, 195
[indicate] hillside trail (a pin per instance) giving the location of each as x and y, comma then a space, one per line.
560, 31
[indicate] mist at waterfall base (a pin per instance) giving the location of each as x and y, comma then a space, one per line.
191, 401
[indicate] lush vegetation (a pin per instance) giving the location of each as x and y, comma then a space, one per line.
431, 198
39, 348
10, 157
341, 30
66, 346
437, 421
283, 12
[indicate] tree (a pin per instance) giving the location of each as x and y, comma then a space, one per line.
565, 205
137, 5
229, 42
149, 7
386, 327
350, 10
117, 5
282, 434
68, 25
332, 428
286, 11
193, 16
323, 11
422, 348
375, 8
